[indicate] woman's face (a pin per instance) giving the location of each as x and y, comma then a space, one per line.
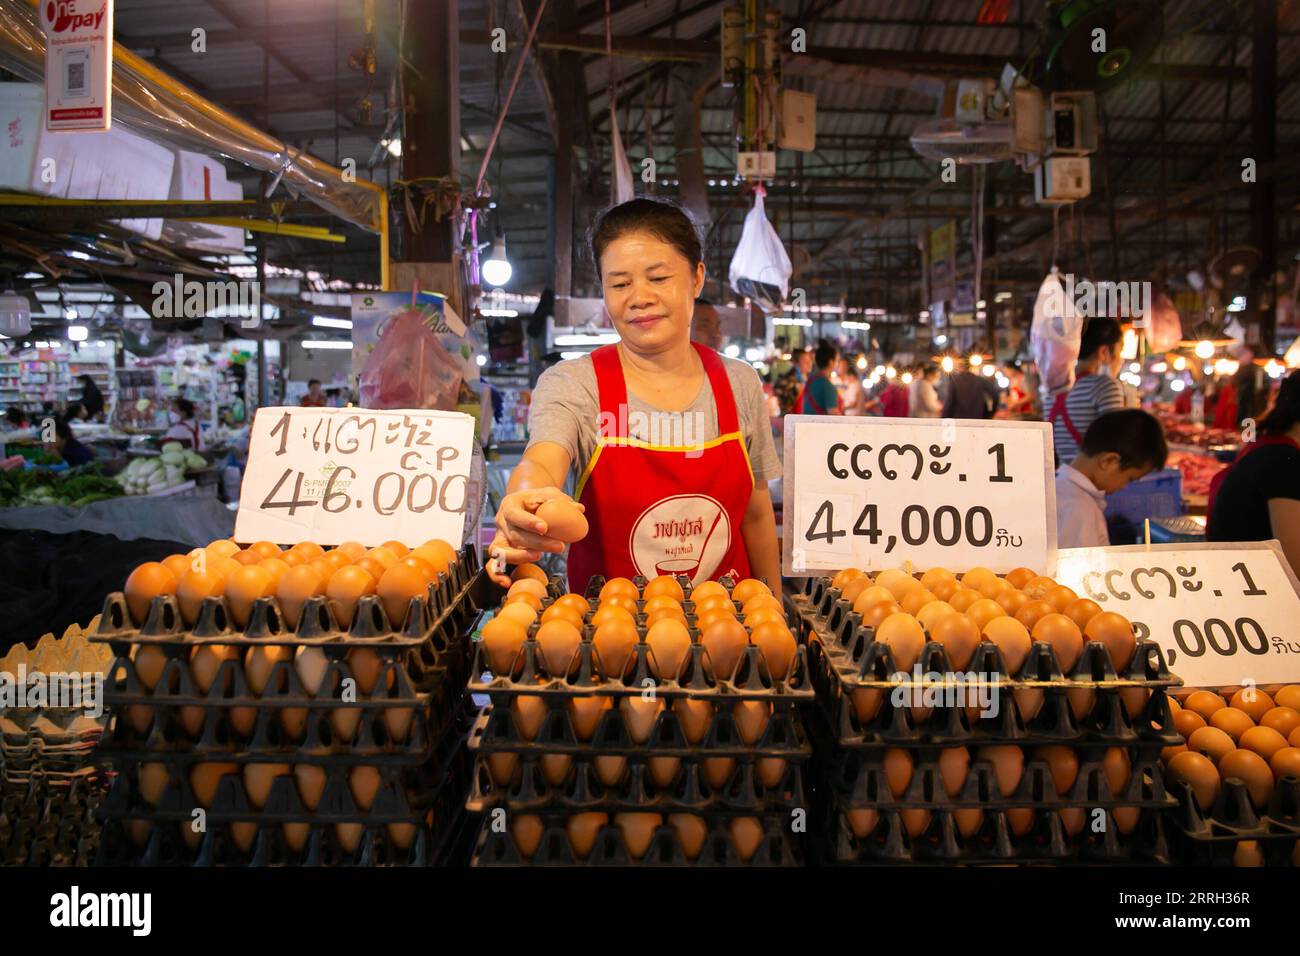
650, 290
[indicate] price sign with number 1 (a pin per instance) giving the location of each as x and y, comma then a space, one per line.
1222, 612
878, 492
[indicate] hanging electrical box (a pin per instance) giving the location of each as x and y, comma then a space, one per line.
733, 45
1059, 180
797, 128
1071, 124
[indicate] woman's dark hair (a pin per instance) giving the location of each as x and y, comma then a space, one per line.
1098, 332
185, 407
16, 416
825, 355
665, 221
929, 369
92, 399
1286, 410
1133, 434
62, 429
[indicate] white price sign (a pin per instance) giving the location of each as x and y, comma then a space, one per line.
331, 475
878, 492
1223, 612
78, 64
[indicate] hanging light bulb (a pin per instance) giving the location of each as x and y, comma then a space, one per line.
496, 267
947, 363
1204, 349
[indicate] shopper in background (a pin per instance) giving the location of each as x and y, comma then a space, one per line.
92, 399
66, 446
923, 400
894, 399
16, 418
788, 387
1119, 447
706, 325
1095, 392
1258, 496
819, 395
970, 396
184, 425
852, 396
1251, 385
314, 398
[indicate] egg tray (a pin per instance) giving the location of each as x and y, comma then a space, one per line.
52, 728
778, 848
50, 823
1046, 842
585, 677
1233, 817
405, 792
558, 586
1107, 722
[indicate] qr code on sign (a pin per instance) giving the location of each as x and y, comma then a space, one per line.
76, 81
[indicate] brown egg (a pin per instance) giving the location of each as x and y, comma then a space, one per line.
294, 588
665, 614
691, 833
694, 716
1038, 588
383, 555
194, 587
607, 612
929, 615
152, 780
438, 553
708, 589
978, 578
145, 583
520, 613
898, 583
866, 703
1008, 765
1205, 703
503, 638
276, 568
747, 588
1030, 612
1252, 770
1073, 819
1282, 719
527, 586
915, 822
583, 828
874, 615
245, 558
1288, 696
1062, 764
618, 586
669, 642
853, 589
529, 713
293, 558
760, 602
706, 620
844, 577
563, 612
664, 586
177, 564
963, 598
1248, 853
354, 550
1114, 631
1081, 611
1199, 773
531, 600
935, 576
1265, 741
638, 830
613, 642
1187, 721
335, 560
717, 771
575, 602
1063, 636
1169, 753
664, 770
345, 588
1020, 577
1012, 639
558, 641
764, 615
724, 641
983, 611
715, 604
1230, 720
564, 520
1210, 741
206, 777
1118, 769
620, 600
913, 601
954, 763
944, 589
1294, 738
862, 822
610, 770
259, 778
555, 768
1060, 597
994, 589
1012, 601
1285, 762
640, 716
746, 835
959, 636
527, 570
871, 596
903, 636
245, 586
968, 821
1253, 701
752, 718
501, 767
898, 766
778, 647
222, 547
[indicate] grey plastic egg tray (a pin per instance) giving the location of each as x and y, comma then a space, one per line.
1233, 817
778, 847
47, 822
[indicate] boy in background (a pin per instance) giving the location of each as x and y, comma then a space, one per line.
1119, 447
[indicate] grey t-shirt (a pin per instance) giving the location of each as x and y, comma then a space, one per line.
566, 410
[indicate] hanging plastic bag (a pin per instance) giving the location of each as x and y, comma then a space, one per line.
409, 367
1164, 329
1054, 336
620, 180
760, 269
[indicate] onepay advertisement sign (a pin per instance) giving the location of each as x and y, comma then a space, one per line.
78, 64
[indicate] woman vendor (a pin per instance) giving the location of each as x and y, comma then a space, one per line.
669, 442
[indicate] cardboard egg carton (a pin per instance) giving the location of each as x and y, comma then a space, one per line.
1046, 841
777, 846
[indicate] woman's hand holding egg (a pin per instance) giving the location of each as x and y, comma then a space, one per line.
523, 535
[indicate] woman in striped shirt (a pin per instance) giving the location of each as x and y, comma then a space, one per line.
1096, 390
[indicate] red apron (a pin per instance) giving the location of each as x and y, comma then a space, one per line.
806, 392
661, 509
1060, 411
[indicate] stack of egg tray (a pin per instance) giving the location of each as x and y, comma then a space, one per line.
846, 662
50, 821
780, 809
1210, 837
418, 770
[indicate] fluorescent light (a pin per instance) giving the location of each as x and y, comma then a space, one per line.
858, 326
732, 351
583, 338
1238, 304
481, 360
1002, 297
78, 254
394, 146
977, 359
940, 339
1204, 349
499, 313
946, 364
32, 275
1135, 366
78, 333
326, 344
324, 322
980, 304
787, 320
1178, 385
753, 355
573, 355
989, 371
70, 313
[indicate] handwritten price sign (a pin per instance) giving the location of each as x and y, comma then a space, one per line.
331, 475
1222, 612
877, 492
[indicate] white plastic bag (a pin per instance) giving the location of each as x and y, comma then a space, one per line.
760, 269
620, 179
1164, 327
1054, 336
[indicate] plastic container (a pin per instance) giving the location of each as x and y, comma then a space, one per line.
1211, 838
1158, 495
